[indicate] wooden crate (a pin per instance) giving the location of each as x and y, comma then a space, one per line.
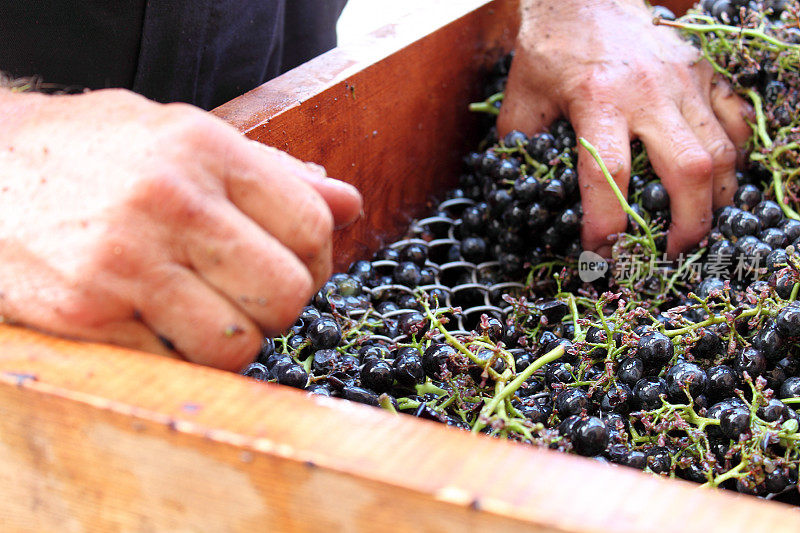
94, 437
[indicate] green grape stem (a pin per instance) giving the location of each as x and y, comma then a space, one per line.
620, 197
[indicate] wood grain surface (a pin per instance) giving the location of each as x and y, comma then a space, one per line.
104, 439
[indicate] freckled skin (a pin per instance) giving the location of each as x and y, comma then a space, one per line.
616, 77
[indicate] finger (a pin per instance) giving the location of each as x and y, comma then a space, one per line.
685, 168
130, 334
270, 187
717, 144
606, 129
249, 266
343, 199
523, 109
731, 111
201, 324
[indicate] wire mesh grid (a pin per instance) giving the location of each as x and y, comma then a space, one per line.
459, 282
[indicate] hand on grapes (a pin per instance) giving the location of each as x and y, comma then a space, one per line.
129, 222
603, 65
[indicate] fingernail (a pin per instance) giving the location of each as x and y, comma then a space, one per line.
316, 169
604, 251
348, 224
341, 185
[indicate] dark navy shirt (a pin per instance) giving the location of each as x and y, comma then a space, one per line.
204, 52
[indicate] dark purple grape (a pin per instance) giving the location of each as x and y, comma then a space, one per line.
769, 213
376, 374
654, 197
292, 375
589, 436
655, 349
436, 358
324, 332
659, 460
685, 378
630, 370
747, 197
571, 402
257, 371
360, 395
790, 388
526, 189
787, 322
648, 392
752, 361
744, 223
722, 381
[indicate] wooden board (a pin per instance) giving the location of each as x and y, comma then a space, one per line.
96, 438
104, 439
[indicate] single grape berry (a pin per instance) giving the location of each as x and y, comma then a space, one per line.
683, 379
557, 372
770, 343
571, 402
744, 223
526, 189
323, 333
654, 197
659, 460
436, 358
407, 274
292, 375
257, 371
655, 349
747, 197
408, 369
769, 213
787, 323
617, 399
589, 436
376, 374
734, 421
474, 249
790, 388
412, 323
630, 370
648, 391
722, 381
360, 395
773, 411
553, 193
752, 361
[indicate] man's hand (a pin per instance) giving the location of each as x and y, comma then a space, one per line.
125, 221
604, 65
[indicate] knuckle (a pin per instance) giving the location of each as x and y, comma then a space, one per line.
80, 310
170, 196
236, 351
186, 128
723, 153
317, 228
297, 288
694, 164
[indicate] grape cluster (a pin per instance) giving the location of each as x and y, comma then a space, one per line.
479, 318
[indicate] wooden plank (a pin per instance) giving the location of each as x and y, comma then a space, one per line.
106, 438
395, 125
